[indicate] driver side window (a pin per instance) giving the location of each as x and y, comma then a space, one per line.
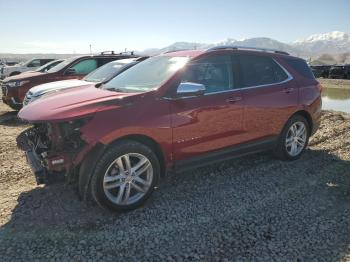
214, 72
84, 67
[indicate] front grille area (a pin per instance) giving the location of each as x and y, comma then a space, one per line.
25, 101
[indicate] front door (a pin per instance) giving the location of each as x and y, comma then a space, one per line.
211, 121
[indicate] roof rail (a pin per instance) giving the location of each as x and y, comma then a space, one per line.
106, 52
246, 48
127, 52
177, 50
119, 53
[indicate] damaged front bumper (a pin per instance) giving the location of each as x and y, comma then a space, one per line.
39, 171
47, 170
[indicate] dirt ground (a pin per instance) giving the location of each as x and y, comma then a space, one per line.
254, 207
335, 83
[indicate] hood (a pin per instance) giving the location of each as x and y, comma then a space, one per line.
23, 76
74, 103
12, 67
57, 86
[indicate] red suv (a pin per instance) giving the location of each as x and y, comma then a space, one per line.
14, 88
174, 111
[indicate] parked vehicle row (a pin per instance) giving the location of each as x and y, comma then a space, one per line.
96, 78
30, 65
116, 135
332, 71
14, 88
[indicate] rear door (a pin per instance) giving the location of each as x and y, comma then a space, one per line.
214, 120
269, 93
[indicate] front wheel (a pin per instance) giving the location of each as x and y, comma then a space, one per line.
294, 139
125, 176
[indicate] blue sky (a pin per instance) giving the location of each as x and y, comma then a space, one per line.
64, 26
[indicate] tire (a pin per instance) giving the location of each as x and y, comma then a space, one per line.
284, 152
112, 180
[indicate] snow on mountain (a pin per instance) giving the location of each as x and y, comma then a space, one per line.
332, 36
333, 43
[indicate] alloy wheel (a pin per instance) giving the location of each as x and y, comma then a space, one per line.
128, 179
296, 138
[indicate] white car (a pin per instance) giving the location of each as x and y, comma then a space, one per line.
30, 65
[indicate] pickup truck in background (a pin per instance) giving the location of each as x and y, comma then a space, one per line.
30, 65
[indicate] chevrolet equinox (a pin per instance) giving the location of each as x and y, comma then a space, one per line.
171, 112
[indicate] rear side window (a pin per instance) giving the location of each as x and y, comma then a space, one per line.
301, 67
260, 70
86, 66
214, 72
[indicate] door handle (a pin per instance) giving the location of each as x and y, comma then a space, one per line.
234, 99
288, 90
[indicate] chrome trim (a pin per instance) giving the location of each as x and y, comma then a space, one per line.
189, 87
289, 78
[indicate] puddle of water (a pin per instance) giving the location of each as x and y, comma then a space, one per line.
336, 99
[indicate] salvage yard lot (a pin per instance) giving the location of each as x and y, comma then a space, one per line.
248, 208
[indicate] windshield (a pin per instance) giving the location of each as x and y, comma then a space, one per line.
106, 71
61, 65
48, 66
146, 75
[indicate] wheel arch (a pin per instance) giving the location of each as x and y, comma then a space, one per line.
307, 116
151, 143
88, 164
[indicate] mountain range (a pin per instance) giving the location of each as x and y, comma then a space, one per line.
331, 43
335, 44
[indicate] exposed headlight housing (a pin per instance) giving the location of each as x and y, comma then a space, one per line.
17, 83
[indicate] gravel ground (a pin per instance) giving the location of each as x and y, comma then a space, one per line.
255, 208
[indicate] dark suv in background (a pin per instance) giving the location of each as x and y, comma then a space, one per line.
174, 111
15, 88
321, 70
340, 71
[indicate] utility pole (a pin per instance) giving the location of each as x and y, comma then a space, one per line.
90, 50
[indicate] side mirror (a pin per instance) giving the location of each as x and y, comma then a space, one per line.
190, 89
70, 71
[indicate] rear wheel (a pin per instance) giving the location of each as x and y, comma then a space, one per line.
294, 138
125, 176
